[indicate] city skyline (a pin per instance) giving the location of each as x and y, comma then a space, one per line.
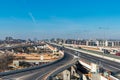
65, 19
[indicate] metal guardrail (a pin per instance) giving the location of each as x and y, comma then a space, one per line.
28, 69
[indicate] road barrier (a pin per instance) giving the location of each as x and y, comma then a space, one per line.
105, 56
60, 69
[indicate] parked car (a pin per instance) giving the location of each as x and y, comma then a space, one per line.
105, 51
117, 54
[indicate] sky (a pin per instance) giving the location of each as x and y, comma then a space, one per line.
89, 19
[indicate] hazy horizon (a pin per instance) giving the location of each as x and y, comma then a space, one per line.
89, 19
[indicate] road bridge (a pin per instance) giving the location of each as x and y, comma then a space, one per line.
106, 63
40, 73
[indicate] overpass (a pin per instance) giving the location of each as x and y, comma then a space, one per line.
105, 62
39, 72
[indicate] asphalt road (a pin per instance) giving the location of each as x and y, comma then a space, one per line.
106, 64
38, 74
111, 66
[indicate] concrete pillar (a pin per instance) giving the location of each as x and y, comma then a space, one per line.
96, 76
66, 75
74, 74
73, 71
84, 77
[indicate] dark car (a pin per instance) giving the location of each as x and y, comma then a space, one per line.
105, 51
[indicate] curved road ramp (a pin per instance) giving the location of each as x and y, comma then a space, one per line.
39, 72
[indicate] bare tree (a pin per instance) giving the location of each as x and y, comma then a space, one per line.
5, 60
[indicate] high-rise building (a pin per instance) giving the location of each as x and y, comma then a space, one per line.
8, 38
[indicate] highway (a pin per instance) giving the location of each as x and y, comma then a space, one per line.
39, 74
113, 67
106, 64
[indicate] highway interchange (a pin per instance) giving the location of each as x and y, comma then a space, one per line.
112, 66
106, 64
39, 74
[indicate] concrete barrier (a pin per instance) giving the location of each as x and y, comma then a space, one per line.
60, 69
101, 56
113, 78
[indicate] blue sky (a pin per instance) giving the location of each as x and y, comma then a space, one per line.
60, 18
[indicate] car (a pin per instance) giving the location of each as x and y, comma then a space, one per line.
105, 51
117, 54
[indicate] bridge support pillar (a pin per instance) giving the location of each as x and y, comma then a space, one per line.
72, 71
66, 75
96, 76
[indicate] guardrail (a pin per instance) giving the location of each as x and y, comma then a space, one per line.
94, 53
105, 56
114, 78
60, 69
31, 68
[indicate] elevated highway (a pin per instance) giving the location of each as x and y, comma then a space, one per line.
40, 73
108, 64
